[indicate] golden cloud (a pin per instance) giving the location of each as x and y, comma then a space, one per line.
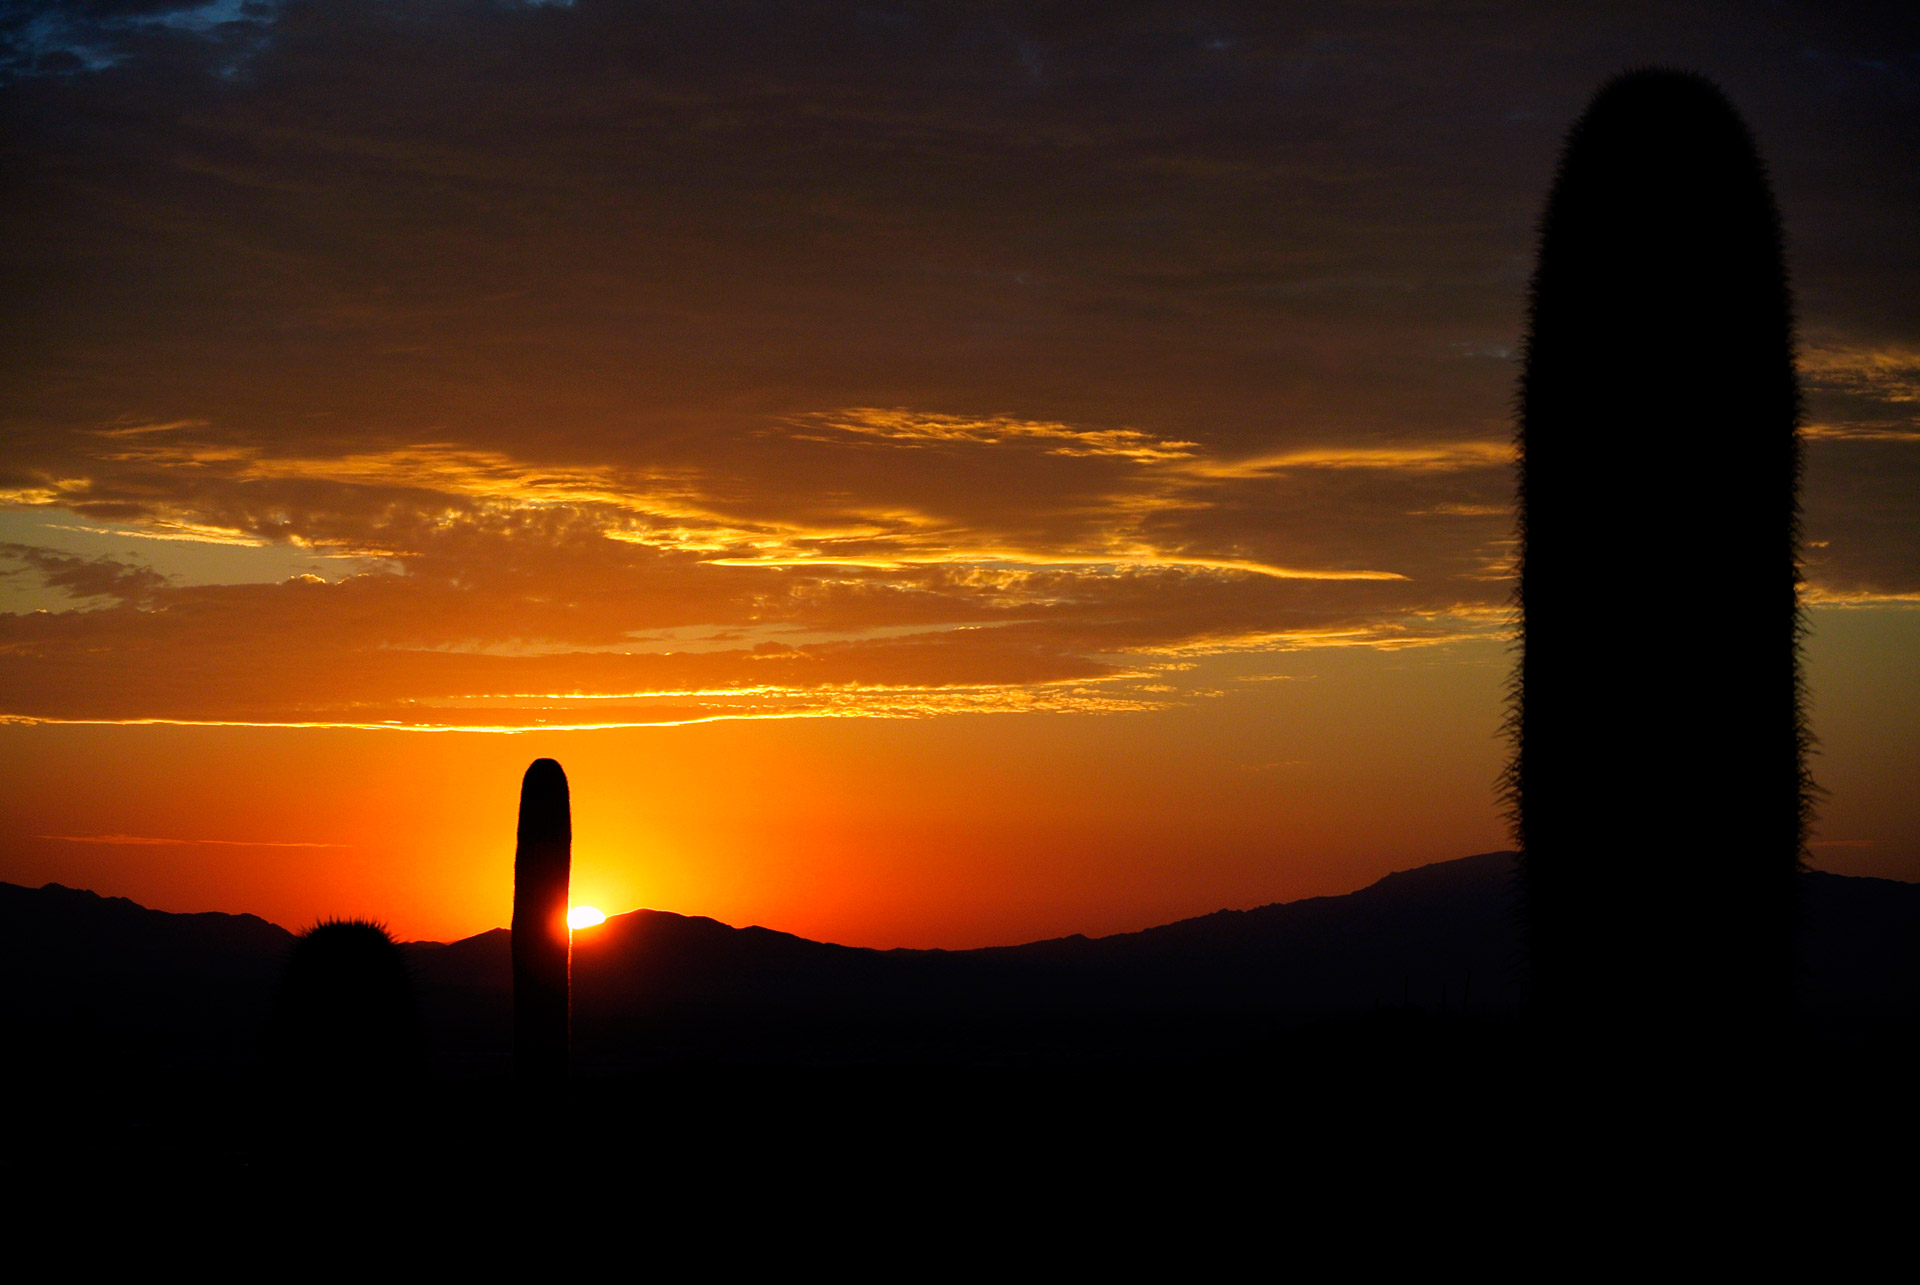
1440, 458
1858, 433
1888, 372
514, 590
917, 428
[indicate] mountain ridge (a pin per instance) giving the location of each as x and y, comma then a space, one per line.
91, 972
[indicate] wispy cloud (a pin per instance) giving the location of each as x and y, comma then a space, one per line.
138, 428
152, 841
1411, 458
164, 529
902, 426
1884, 372
1859, 433
485, 574
1095, 562
1815, 596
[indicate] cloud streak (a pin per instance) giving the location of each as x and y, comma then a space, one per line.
154, 841
903, 426
934, 364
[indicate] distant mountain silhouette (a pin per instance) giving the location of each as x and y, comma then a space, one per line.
655, 986
84, 976
98, 977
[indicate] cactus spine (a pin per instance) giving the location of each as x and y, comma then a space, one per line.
542, 865
1658, 787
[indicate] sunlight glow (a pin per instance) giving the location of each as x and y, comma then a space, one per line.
584, 917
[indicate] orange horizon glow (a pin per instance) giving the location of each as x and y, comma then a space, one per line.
1314, 778
941, 483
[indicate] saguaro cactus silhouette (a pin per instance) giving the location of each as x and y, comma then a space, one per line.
542, 865
1658, 785
345, 1016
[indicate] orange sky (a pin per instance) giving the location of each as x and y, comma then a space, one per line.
1313, 772
960, 830
980, 479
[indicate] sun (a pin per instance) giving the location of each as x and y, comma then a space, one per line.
584, 917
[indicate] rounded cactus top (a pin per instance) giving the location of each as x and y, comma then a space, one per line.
1660, 305
1661, 181
346, 1001
546, 811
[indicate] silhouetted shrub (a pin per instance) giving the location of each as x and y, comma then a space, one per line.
542, 866
1658, 785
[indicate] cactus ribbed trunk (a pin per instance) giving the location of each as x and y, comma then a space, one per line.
1658, 785
542, 865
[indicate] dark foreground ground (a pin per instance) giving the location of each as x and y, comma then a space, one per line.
1378, 1140
1328, 1085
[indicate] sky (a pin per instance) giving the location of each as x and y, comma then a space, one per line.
934, 474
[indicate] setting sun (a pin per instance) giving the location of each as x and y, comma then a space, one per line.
889, 563
584, 917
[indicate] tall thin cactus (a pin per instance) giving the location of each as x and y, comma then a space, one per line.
542, 866
1658, 787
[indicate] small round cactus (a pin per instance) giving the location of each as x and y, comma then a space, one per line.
346, 1013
